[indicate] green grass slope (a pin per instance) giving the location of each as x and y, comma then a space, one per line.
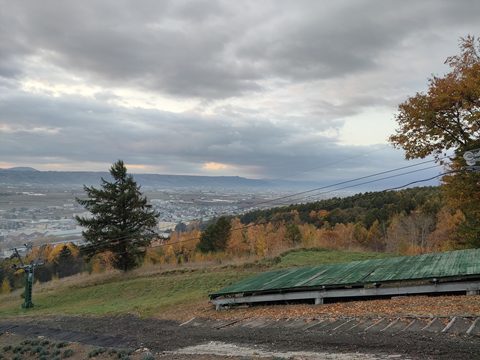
156, 295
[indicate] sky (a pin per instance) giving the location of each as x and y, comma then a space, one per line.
300, 90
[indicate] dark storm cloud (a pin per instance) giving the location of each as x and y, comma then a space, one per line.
216, 49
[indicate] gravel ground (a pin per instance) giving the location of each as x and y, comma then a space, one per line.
165, 337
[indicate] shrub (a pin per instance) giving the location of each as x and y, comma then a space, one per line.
96, 352
67, 353
148, 356
37, 350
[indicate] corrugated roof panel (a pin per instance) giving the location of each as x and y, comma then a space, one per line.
426, 266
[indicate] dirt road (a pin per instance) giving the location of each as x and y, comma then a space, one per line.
168, 337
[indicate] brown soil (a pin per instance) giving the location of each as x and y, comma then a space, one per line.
162, 336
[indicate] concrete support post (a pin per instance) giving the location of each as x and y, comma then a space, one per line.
319, 301
473, 292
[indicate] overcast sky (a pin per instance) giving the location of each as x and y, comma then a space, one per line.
262, 89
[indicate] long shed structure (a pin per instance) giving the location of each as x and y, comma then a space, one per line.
435, 273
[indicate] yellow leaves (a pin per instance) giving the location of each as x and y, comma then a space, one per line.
5, 289
444, 116
153, 256
322, 213
103, 261
443, 237
238, 243
169, 255
55, 252
181, 246
309, 235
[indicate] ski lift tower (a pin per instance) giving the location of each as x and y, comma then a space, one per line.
29, 271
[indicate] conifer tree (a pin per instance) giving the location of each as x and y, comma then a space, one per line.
122, 221
293, 235
66, 264
216, 236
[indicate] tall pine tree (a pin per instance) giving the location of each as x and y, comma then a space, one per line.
121, 219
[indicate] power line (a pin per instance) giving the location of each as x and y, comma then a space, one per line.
423, 180
311, 190
261, 223
372, 181
348, 186
324, 187
120, 239
321, 166
345, 182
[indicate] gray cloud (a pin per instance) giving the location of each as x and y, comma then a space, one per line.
278, 80
41, 128
217, 49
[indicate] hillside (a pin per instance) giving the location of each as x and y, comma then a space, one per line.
155, 291
31, 176
19, 176
362, 208
182, 293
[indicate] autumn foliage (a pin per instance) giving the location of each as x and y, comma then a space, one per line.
410, 221
447, 117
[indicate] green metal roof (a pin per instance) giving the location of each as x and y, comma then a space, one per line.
462, 263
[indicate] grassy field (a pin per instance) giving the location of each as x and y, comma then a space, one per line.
155, 294
311, 257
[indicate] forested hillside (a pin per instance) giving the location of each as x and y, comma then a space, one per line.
363, 208
409, 221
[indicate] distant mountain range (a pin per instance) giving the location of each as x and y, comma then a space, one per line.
31, 176
19, 168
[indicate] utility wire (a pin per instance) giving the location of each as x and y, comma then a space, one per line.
371, 181
309, 191
345, 182
265, 221
261, 223
105, 242
423, 180
322, 187
322, 166
333, 190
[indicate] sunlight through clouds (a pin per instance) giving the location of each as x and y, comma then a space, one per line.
214, 166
